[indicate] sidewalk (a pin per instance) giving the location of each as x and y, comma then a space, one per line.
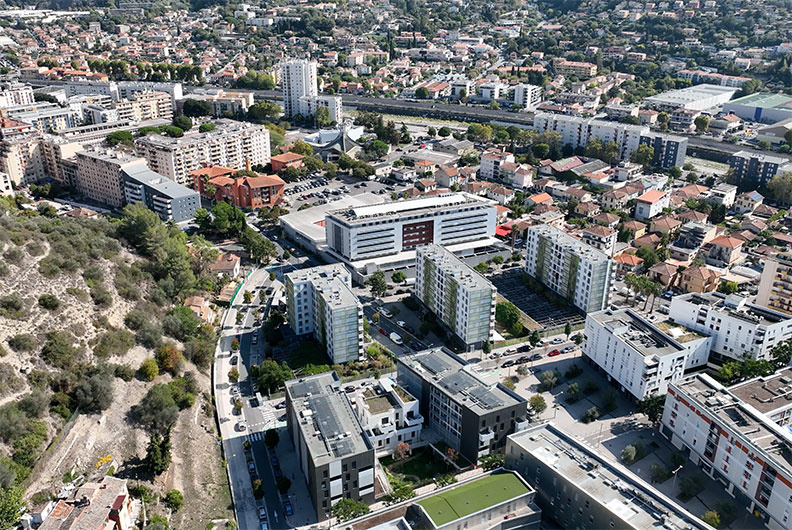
304, 513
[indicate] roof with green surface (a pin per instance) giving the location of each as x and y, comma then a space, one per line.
473, 497
764, 100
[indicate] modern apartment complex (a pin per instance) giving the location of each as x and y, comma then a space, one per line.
775, 286
99, 175
733, 440
756, 167
529, 96
459, 296
737, 328
309, 104
169, 200
334, 455
577, 132
45, 117
389, 416
577, 488
13, 94
574, 270
470, 415
145, 105
320, 301
298, 80
769, 395
232, 144
369, 232
638, 355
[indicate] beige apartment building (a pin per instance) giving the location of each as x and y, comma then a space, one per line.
99, 174
146, 105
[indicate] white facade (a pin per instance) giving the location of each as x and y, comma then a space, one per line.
16, 94
529, 96
574, 270
578, 131
309, 104
6, 187
491, 161
389, 416
231, 144
737, 328
298, 79
651, 204
491, 91
320, 302
365, 232
732, 441
640, 357
459, 296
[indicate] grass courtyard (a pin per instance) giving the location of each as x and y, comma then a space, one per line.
472, 497
420, 468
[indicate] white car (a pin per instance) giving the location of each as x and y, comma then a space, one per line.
401, 323
396, 338
557, 340
384, 312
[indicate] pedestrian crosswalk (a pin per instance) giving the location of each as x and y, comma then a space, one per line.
255, 436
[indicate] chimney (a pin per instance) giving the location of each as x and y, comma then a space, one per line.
247, 163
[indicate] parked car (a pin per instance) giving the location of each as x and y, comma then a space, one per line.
287, 508
382, 330
507, 364
349, 389
234, 360
536, 356
557, 340
554, 353
262, 513
251, 467
281, 405
567, 349
384, 312
241, 427
276, 470
396, 338
524, 359
274, 460
401, 323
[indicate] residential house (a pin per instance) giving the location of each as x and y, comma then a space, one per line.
201, 308
608, 219
650, 204
724, 251
664, 272
627, 263
649, 240
501, 194
601, 237
665, 225
748, 202
447, 177
698, 279
226, 264
636, 228
425, 185
587, 209
539, 198
284, 160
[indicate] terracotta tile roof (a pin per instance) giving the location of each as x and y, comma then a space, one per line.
628, 259
285, 158
652, 196
726, 241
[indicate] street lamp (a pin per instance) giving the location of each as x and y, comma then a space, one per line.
674, 472
556, 405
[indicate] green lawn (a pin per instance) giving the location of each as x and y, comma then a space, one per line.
420, 468
473, 497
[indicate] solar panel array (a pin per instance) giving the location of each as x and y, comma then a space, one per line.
467, 385
435, 363
327, 417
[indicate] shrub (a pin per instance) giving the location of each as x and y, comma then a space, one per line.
659, 473
34, 248
114, 342
174, 500
573, 371
94, 394
49, 302
59, 350
11, 305
150, 335
169, 359
590, 387
135, 320
591, 414
123, 372
14, 256
712, 518
148, 370
101, 296
22, 342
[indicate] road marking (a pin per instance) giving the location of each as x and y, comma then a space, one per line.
255, 437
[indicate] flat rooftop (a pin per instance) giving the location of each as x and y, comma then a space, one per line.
472, 497
451, 265
325, 417
568, 241
452, 376
224, 127
636, 332
163, 185
310, 223
766, 394
765, 100
691, 94
738, 307
752, 427
633, 501
412, 207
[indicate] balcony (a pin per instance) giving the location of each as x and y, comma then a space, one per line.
486, 436
520, 424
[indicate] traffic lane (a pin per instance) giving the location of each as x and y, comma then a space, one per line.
247, 511
541, 350
272, 500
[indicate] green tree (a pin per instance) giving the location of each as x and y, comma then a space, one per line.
782, 353
120, 137
271, 438
283, 485
196, 107
347, 509
302, 148
492, 461
272, 375
207, 127
675, 172
322, 116
628, 454
652, 406
49, 302
643, 155
548, 380
377, 284
780, 187
537, 404
422, 93
158, 453
444, 132
481, 268
507, 313
712, 518
11, 503
398, 277
183, 122
701, 123
728, 287
174, 499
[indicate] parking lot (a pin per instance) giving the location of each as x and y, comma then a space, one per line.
546, 313
315, 190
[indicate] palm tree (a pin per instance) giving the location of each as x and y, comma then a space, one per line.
655, 289
631, 283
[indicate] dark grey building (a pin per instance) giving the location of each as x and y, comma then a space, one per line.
578, 489
470, 415
335, 457
668, 150
171, 201
757, 168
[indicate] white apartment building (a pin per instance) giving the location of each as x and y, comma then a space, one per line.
119, 90
389, 416
775, 286
460, 87
320, 301
13, 94
737, 328
638, 355
459, 296
370, 232
309, 105
574, 270
6, 186
99, 175
529, 96
731, 439
491, 91
491, 161
231, 144
578, 131
298, 80
20, 159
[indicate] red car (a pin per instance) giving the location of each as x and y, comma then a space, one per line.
554, 353
382, 331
